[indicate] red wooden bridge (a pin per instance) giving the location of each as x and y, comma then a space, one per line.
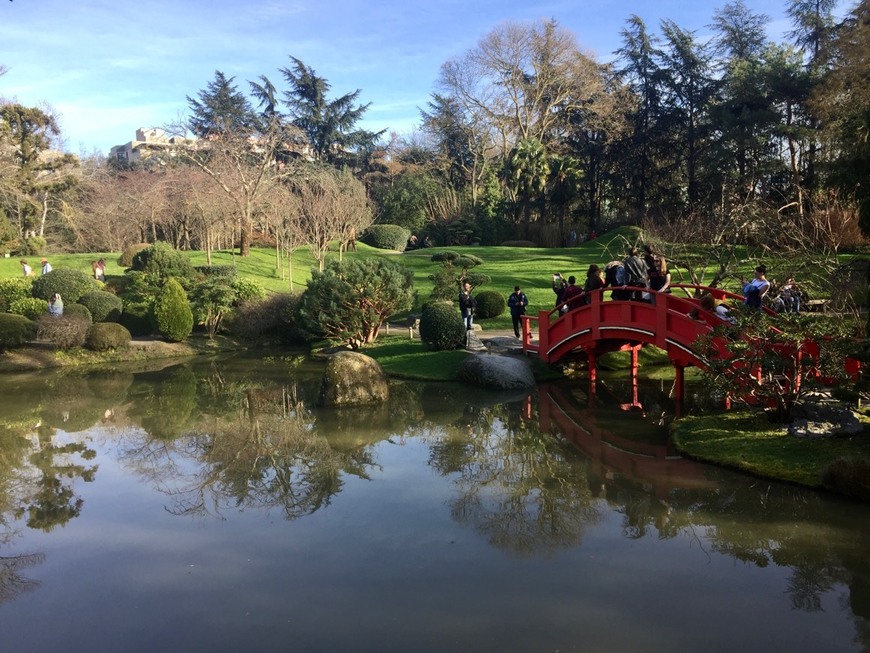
604, 326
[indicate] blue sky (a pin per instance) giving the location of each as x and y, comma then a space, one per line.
111, 66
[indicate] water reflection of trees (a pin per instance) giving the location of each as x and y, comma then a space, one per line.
37, 487
252, 445
527, 492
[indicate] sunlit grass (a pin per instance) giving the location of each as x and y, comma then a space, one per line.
401, 357
749, 442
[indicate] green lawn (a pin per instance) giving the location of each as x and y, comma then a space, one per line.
530, 268
749, 442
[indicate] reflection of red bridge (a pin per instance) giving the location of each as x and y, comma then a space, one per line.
657, 466
605, 326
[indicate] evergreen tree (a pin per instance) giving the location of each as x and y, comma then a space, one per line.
173, 317
220, 108
329, 124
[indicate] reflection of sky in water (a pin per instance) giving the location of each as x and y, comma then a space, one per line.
501, 541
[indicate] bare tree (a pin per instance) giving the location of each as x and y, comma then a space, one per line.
244, 165
331, 205
280, 211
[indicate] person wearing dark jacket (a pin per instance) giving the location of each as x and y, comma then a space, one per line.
593, 282
467, 306
517, 303
635, 273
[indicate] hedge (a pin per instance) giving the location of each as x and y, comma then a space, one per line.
386, 236
104, 306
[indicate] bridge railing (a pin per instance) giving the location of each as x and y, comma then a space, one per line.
584, 299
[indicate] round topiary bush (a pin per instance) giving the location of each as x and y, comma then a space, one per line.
104, 306
161, 261
173, 316
29, 307
386, 236
12, 289
489, 304
125, 260
15, 330
104, 336
77, 310
441, 327
63, 331
70, 284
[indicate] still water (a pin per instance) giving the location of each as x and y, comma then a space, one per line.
210, 506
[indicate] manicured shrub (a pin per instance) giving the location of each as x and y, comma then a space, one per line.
489, 304
211, 298
173, 317
77, 310
104, 336
226, 271
12, 289
445, 256
257, 318
386, 236
125, 260
247, 290
136, 318
70, 284
350, 300
161, 261
104, 306
441, 327
29, 307
63, 331
15, 330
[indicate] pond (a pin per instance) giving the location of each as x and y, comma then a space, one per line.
210, 506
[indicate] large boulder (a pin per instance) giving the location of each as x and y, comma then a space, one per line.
497, 372
351, 379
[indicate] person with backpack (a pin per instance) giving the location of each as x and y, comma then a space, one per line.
755, 290
635, 274
614, 277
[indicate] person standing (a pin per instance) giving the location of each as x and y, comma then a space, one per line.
593, 282
635, 273
517, 303
573, 294
559, 287
46, 266
26, 269
659, 278
467, 306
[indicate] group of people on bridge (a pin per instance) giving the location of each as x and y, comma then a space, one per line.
643, 275
636, 277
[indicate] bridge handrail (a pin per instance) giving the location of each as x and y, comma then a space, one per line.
718, 294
